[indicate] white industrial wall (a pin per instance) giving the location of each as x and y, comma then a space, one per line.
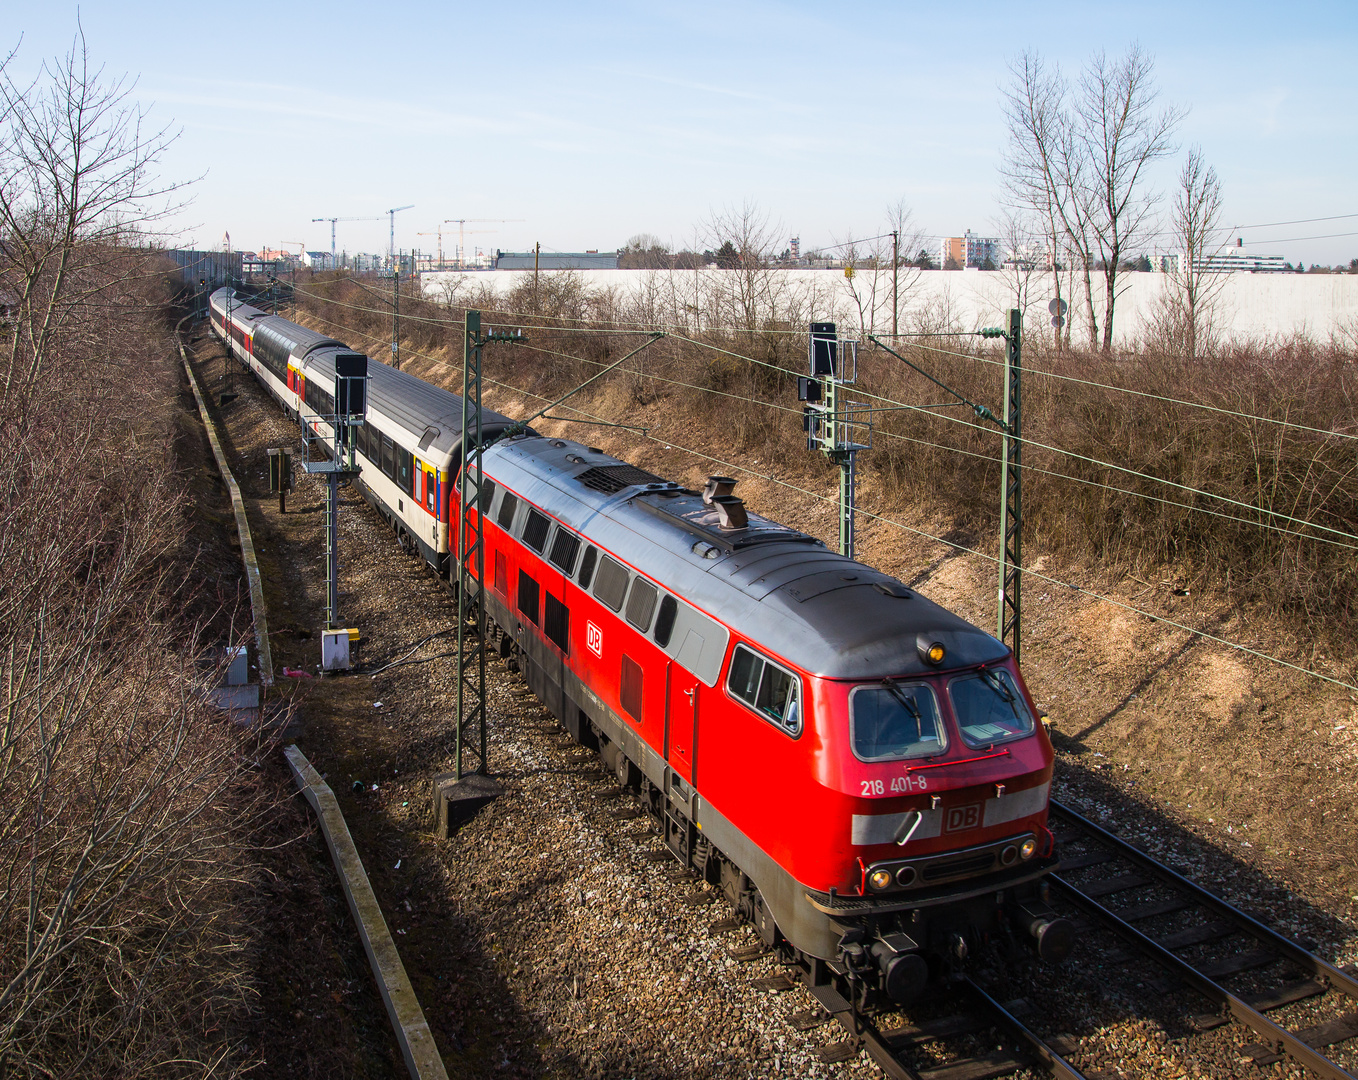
1248, 306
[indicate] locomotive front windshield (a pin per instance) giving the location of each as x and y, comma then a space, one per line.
989, 708
895, 720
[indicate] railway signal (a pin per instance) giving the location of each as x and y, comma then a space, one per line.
350, 404
830, 419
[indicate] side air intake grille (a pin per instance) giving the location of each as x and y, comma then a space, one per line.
613, 478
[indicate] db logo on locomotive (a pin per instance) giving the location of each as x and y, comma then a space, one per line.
963, 817
594, 638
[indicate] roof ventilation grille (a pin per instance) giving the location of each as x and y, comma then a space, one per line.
613, 478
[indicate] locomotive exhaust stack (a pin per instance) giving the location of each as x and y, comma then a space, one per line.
717, 487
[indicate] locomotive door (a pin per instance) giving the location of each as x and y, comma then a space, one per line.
681, 720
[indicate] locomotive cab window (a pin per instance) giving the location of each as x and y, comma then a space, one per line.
772, 691
892, 720
989, 708
508, 505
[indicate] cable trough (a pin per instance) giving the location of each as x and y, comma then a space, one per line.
1201, 940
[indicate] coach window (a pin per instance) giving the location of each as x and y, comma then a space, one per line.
405, 470
641, 604
664, 625
772, 691
535, 529
587, 566
989, 708
388, 457
610, 585
565, 547
528, 598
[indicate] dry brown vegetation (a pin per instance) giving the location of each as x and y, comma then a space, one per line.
1278, 491
127, 805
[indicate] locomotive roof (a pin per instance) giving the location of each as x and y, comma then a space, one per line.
431, 415
828, 614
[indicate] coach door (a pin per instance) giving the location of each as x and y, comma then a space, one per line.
681, 720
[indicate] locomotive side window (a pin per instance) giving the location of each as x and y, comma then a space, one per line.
611, 583
501, 574
556, 622
565, 547
587, 566
894, 720
772, 691
535, 530
487, 493
989, 708
664, 625
641, 604
528, 597
507, 508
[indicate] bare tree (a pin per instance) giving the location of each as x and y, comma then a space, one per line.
1197, 209
1043, 172
1121, 132
77, 189
1079, 157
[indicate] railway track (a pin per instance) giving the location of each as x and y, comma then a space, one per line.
1242, 967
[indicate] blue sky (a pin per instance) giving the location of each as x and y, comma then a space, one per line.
593, 122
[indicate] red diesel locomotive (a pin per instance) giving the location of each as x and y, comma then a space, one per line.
861, 771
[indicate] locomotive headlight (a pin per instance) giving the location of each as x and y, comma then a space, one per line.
931, 652
879, 880
1028, 848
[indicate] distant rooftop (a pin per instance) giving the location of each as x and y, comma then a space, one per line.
556, 260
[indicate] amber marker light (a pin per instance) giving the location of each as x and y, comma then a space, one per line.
879, 880
932, 652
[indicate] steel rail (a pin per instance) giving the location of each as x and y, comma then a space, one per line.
1327, 974
1275, 1037
1059, 1066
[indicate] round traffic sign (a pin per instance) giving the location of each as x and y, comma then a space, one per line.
1057, 307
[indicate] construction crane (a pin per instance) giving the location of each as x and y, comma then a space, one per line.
333, 264
461, 233
439, 234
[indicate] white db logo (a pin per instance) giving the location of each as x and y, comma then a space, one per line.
594, 638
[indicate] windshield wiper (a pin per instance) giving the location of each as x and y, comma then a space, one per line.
909, 703
997, 684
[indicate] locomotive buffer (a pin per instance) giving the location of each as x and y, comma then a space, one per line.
351, 378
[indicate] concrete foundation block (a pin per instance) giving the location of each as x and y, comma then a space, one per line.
458, 801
